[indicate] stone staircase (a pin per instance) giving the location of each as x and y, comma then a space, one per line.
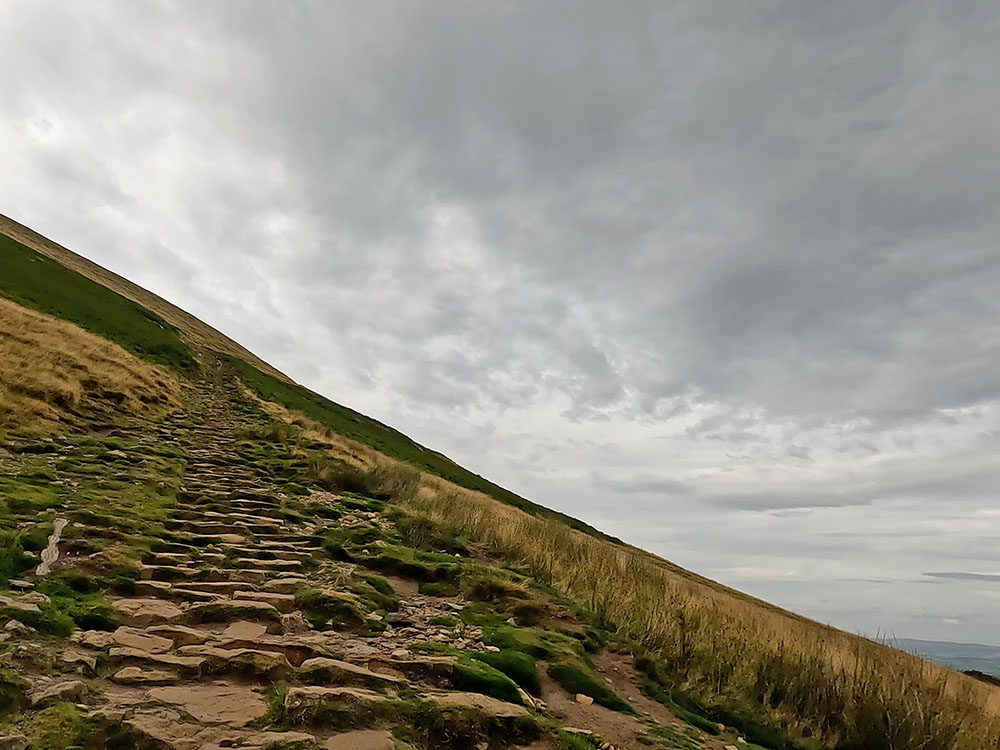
212, 622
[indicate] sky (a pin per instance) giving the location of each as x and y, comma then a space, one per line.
720, 278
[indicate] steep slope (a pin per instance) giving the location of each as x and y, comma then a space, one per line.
199, 553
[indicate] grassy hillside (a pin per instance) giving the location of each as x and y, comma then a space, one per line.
386, 440
708, 654
38, 282
195, 332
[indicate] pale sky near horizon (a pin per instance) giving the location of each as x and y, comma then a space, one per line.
720, 278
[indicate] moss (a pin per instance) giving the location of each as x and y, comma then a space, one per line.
440, 588
59, 727
576, 678
380, 584
542, 644
407, 563
13, 559
13, 691
446, 621
326, 609
574, 741
48, 619
477, 676
517, 665
433, 647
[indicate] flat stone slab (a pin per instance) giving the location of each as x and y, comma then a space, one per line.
191, 664
214, 704
141, 612
245, 630
140, 639
179, 634
491, 706
139, 676
344, 673
362, 739
281, 602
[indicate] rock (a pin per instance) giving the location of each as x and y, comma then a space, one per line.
230, 610
436, 670
18, 604
301, 700
18, 628
84, 663
293, 623
13, 742
245, 630
179, 634
269, 664
138, 639
296, 650
400, 653
492, 706
584, 700
192, 665
281, 602
138, 676
143, 612
70, 690
95, 639
362, 739
287, 585
216, 704
51, 552
35, 597
344, 673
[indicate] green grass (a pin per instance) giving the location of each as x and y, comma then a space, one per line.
385, 439
575, 678
517, 665
35, 281
59, 727
477, 676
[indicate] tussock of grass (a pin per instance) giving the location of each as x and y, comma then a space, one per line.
52, 371
59, 727
517, 665
726, 649
35, 281
476, 676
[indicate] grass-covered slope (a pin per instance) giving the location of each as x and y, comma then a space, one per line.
38, 282
195, 332
385, 439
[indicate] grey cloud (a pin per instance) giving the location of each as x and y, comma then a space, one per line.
959, 576
655, 264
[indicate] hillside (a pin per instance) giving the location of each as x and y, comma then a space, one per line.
199, 553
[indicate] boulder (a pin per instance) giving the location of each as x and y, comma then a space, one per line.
213, 704
69, 690
143, 612
140, 639
339, 672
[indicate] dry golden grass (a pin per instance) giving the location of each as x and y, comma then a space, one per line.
841, 690
194, 331
53, 372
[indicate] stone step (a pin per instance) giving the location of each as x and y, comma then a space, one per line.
271, 565
166, 573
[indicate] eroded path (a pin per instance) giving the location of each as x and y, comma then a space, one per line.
241, 606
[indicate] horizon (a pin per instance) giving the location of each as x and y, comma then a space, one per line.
736, 312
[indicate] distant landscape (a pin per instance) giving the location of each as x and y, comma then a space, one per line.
964, 657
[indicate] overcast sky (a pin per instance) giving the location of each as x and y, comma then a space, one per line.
721, 278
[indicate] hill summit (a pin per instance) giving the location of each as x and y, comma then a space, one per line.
199, 553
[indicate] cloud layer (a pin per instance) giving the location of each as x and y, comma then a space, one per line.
721, 281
